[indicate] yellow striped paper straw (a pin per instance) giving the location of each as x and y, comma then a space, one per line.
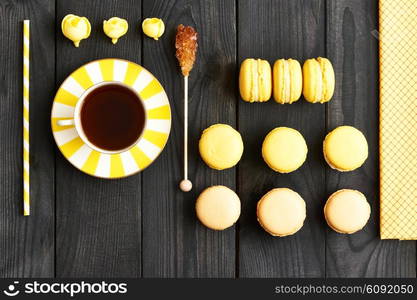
26, 194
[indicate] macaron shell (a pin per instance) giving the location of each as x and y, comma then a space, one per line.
296, 76
345, 148
347, 211
330, 164
245, 80
312, 81
284, 149
328, 79
218, 207
221, 146
281, 212
282, 81
265, 80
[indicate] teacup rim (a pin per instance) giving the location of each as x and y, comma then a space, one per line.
77, 119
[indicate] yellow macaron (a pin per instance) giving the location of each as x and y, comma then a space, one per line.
345, 148
218, 207
347, 211
281, 212
284, 149
287, 80
318, 80
221, 146
255, 83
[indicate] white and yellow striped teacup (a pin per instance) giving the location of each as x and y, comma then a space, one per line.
109, 117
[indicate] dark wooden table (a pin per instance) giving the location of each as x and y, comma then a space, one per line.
143, 226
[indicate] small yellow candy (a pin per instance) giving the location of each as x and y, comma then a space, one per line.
115, 28
153, 27
75, 28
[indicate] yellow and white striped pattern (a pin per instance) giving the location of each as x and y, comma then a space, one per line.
26, 194
155, 133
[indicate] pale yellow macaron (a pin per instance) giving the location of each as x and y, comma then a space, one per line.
218, 207
287, 80
284, 149
281, 212
255, 80
347, 211
345, 148
221, 146
318, 80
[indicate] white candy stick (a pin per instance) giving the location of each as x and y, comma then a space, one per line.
186, 185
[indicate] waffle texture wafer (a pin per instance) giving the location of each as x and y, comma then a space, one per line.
398, 118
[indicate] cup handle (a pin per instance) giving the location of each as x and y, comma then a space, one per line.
67, 122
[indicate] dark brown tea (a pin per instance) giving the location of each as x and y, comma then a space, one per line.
112, 117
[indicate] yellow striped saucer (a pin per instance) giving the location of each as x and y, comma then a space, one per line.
155, 133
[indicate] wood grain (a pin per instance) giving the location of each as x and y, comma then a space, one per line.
175, 244
273, 30
26, 243
353, 48
143, 225
98, 226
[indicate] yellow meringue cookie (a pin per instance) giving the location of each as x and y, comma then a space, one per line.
115, 28
153, 27
75, 28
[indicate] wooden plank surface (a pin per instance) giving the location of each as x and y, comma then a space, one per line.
175, 244
273, 30
143, 225
26, 243
98, 225
353, 48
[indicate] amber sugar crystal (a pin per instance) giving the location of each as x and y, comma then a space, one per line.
186, 45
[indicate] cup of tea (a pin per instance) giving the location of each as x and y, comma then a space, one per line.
109, 117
